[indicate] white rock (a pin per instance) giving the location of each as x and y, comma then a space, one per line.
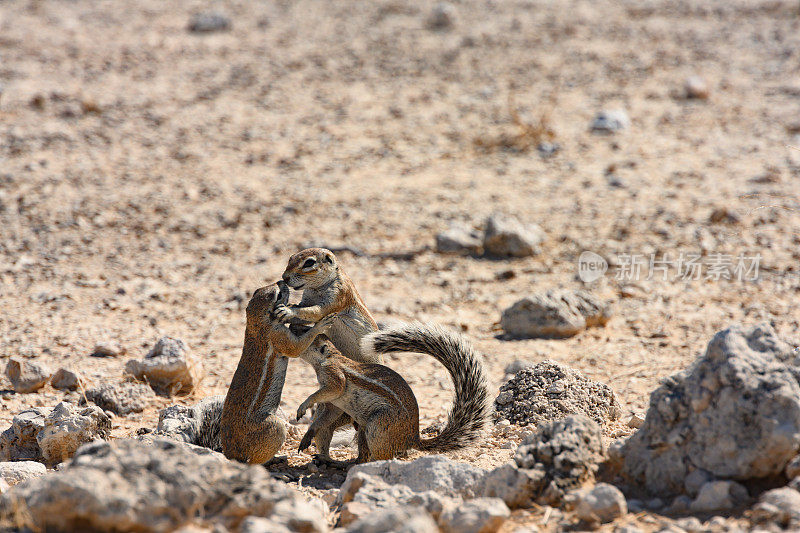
65, 379
611, 121
735, 413
506, 236
719, 495
396, 520
129, 485
169, 368
432, 472
13, 472
27, 376
481, 515
67, 427
602, 503
778, 505
459, 239
18, 442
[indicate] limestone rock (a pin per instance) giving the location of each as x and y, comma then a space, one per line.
779, 505
611, 121
429, 473
554, 314
26, 375
128, 485
209, 22
13, 472
18, 442
480, 515
718, 496
65, 379
120, 398
169, 368
67, 427
396, 520
362, 493
567, 450
735, 413
602, 503
506, 236
459, 239
549, 391
108, 349
560, 456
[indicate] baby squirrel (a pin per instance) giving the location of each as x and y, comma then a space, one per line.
249, 429
381, 402
327, 290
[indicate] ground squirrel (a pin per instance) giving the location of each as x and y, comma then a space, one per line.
328, 290
382, 404
249, 429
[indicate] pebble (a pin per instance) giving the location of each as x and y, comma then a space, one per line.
209, 22
611, 121
696, 88
442, 17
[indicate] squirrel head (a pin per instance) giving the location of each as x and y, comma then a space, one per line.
263, 302
323, 346
311, 268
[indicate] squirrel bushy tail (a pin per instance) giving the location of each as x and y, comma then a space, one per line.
471, 408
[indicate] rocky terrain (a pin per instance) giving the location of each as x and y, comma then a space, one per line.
603, 196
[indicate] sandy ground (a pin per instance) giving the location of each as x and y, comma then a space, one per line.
152, 178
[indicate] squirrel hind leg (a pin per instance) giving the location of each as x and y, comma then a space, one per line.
264, 442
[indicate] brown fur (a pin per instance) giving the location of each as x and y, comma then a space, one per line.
329, 290
249, 429
377, 398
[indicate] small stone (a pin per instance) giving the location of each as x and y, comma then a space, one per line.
722, 215
120, 398
18, 442
635, 421
14, 472
516, 365
108, 349
442, 17
611, 121
602, 503
554, 314
506, 236
209, 22
27, 376
691, 524
696, 88
778, 505
695, 481
65, 379
680, 505
459, 239
395, 519
719, 495
67, 427
792, 469
479, 515
169, 368
655, 504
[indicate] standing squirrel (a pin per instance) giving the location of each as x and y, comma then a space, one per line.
250, 431
327, 290
381, 402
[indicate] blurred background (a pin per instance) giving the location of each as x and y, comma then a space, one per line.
161, 160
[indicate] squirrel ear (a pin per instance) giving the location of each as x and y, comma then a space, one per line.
328, 258
323, 349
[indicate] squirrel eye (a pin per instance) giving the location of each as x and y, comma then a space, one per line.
309, 263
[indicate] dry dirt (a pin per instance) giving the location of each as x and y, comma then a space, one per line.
151, 178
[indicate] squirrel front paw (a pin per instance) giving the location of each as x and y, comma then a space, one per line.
326, 323
302, 409
284, 313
